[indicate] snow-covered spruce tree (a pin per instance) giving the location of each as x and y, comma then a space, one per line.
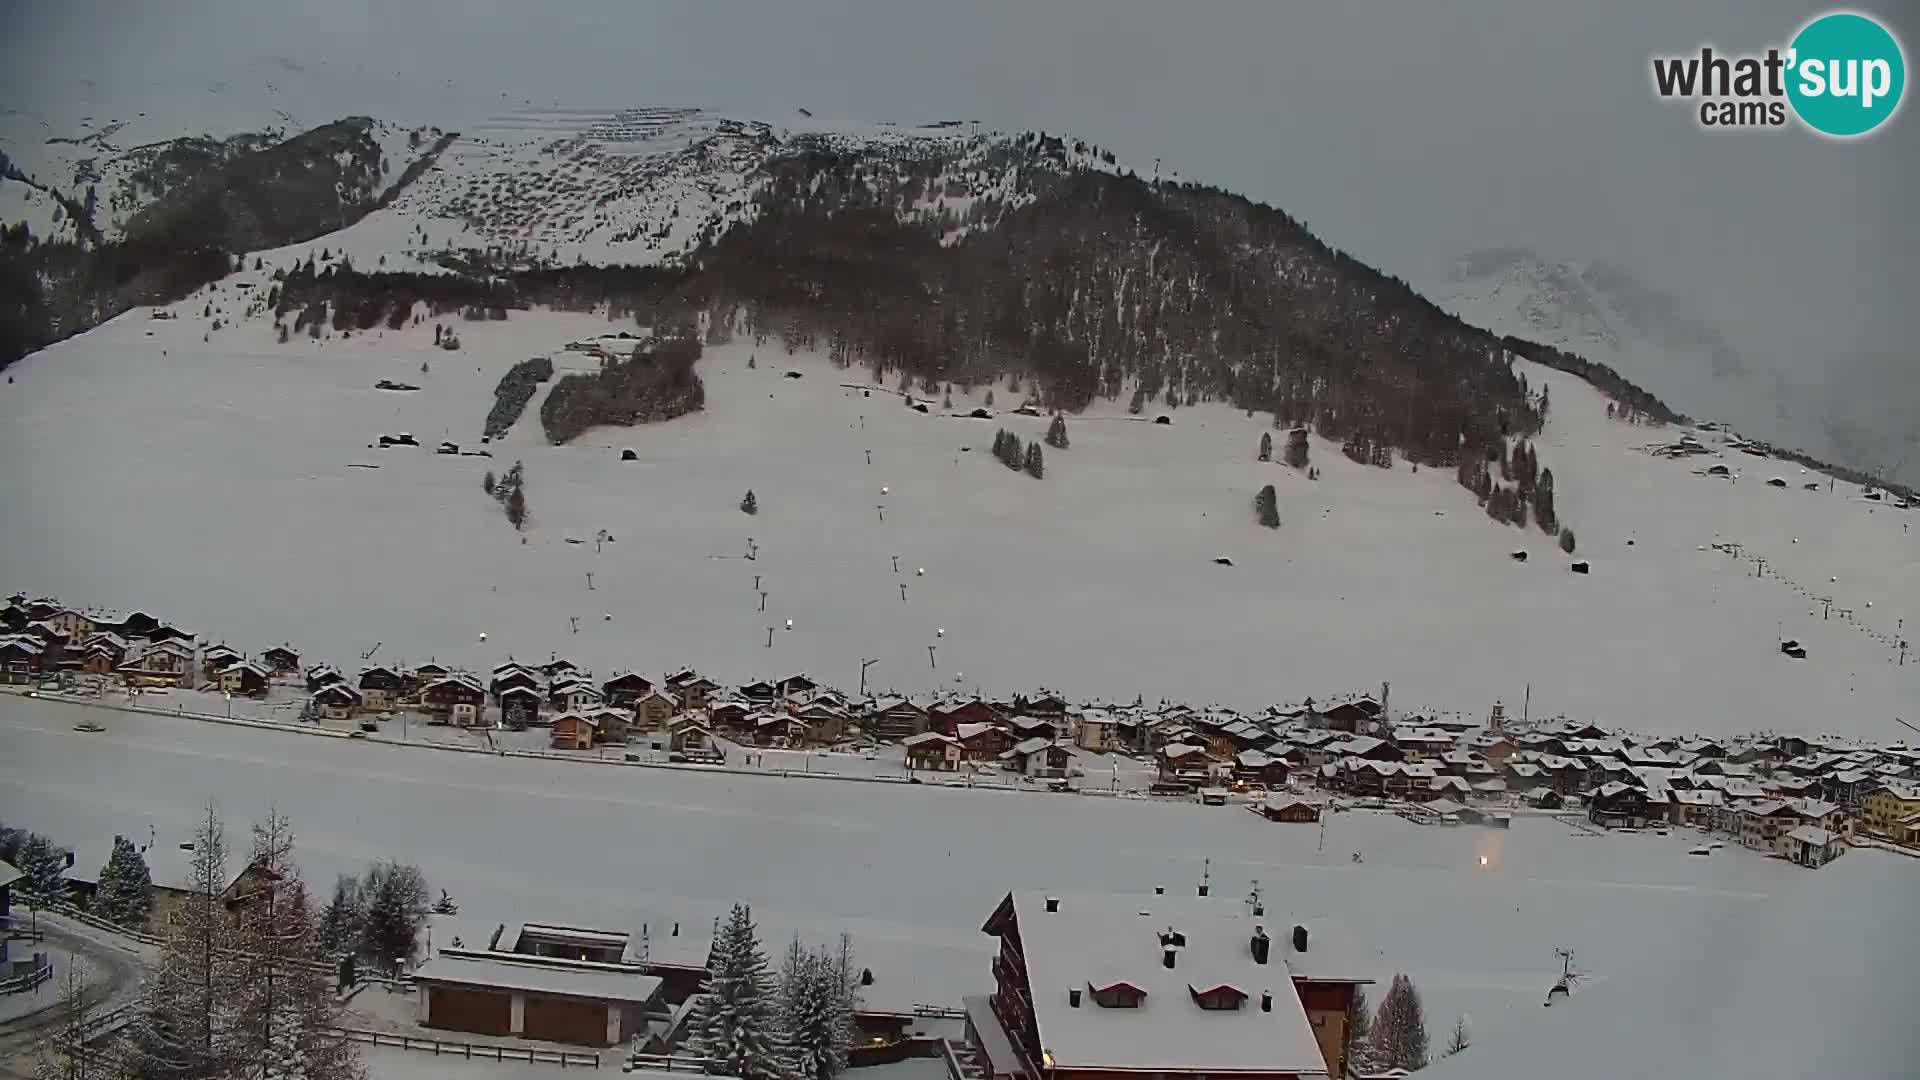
1566, 540
1266, 505
737, 1020
341, 922
287, 1016
445, 905
124, 893
749, 504
1360, 1058
517, 506
62, 1052
1057, 432
394, 897
1266, 447
1297, 448
1036, 467
188, 1012
816, 995
42, 869
1399, 1035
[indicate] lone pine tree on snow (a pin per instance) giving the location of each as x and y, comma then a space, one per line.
1360, 1056
1266, 447
1057, 432
445, 905
749, 505
737, 1021
1460, 1039
124, 893
1036, 468
1399, 1035
1267, 505
1297, 448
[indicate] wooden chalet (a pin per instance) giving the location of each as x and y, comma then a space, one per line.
1046, 706
931, 751
520, 707
559, 667
215, 658
1259, 767
281, 659
22, 659
573, 694
320, 675
1619, 806
694, 742
513, 676
692, 688
1025, 726
947, 716
574, 731
655, 709
336, 701
161, 663
625, 690
895, 718
1353, 716
457, 699
1290, 808
982, 741
379, 686
245, 677
614, 725
730, 715
1041, 758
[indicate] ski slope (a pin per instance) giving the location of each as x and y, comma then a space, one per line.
912, 872
216, 482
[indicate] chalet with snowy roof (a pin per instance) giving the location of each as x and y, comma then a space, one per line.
819, 722
513, 676
520, 707
1259, 767
491, 992
573, 695
759, 692
1046, 706
795, 685
729, 715
245, 677
559, 667
1619, 805
379, 685
320, 675
932, 751
102, 653
624, 690
778, 729
655, 709
1033, 727
336, 701
947, 716
1761, 823
693, 742
281, 660
895, 718
1042, 758
1420, 743
1353, 717
1450, 787
1290, 808
692, 688
1186, 763
574, 731
982, 741
22, 658
1089, 988
1887, 805
1812, 846
215, 658
458, 699
161, 663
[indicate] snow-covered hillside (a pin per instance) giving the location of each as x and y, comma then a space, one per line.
224, 483
1605, 314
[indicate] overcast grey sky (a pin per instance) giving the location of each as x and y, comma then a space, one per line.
1405, 133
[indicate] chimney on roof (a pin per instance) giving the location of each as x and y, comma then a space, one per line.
1073, 998
1053, 903
1168, 954
1261, 945
1299, 939
1266, 1001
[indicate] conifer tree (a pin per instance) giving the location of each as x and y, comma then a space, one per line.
63, 1051
42, 868
749, 504
1266, 447
1297, 448
1057, 432
124, 893
1460, 1039
188, 1015
737, 1019
1399, 1034
341, 921
1035, 467
1266, 506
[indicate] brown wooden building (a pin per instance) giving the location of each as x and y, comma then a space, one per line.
580, 1002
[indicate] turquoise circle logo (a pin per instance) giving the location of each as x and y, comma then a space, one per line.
1846, 74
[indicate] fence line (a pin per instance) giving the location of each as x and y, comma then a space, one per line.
671, 1063
484, 1051
20, 984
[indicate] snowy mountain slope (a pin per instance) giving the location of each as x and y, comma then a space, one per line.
1604, 313
1098, 580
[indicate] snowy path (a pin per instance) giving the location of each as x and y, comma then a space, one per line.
911, 873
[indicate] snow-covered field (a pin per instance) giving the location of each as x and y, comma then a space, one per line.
912, 872
217, 484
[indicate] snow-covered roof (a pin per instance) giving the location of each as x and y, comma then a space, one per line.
8, 873
535, 978
1812, 834
924, 738
968, 731
1030, 746
1096, 943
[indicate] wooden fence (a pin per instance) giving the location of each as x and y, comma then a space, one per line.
576, 1059
20, 984
670, 1063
